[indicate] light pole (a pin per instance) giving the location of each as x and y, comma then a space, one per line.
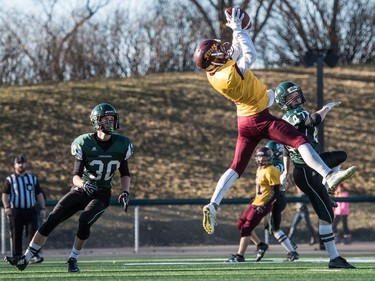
319, 56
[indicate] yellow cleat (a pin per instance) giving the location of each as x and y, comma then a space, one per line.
209, 218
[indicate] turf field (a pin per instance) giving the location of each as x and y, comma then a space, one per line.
271, 268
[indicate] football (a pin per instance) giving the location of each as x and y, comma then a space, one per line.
246, 23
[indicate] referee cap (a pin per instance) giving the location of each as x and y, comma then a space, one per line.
19, 159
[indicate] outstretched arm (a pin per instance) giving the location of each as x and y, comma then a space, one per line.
243, 47
325, 109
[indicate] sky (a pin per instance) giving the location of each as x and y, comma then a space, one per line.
34, 5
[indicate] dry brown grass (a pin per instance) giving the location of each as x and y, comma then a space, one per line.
184, 133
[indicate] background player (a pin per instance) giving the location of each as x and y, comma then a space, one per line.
266, 191
274, 218
97, 157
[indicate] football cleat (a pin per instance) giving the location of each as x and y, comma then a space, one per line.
292, 256
235, 259
339, 262
36, 259
336, 177
19, 262
209, 218
261, 250
72, 265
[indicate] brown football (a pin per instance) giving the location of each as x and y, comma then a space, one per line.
246, 23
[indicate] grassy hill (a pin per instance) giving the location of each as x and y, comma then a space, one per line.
183, 131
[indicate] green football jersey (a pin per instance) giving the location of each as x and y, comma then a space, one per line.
297, 117
101, 165
278, 163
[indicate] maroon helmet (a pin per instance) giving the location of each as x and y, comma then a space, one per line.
211, 52
266, 153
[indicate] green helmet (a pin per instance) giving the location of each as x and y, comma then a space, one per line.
283, 90
276, 148
101, 110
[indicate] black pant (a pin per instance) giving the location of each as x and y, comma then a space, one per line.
22, 219
75, 200
310, 182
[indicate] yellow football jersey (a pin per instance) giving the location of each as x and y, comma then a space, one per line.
265, 178
247, 92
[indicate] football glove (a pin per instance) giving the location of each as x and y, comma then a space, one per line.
260, 209
89, 187
331, 105
124, 197
234, 21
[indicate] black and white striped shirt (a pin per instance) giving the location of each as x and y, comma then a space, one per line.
22, 190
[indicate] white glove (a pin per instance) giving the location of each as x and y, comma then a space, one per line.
124, 197
89, 187
331, 105
284, 180
234, 21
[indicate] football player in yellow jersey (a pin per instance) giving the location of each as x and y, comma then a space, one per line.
266, 191
228, 71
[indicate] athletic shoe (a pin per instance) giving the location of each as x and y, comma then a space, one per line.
235, 259
36, 259
19, 262
72, 265
261, 250
339, 262
336, 177
292, 256
209, 218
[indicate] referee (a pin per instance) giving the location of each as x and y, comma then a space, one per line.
20, 192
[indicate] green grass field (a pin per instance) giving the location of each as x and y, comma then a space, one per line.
271, 268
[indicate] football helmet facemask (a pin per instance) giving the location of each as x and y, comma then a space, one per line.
263, 156
101, 110
288, 95
211, 53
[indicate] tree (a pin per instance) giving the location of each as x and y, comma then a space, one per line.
213, 17
344, 27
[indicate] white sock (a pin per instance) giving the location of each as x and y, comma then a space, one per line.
224, 183
31, 250
326, 234
284, 240
313, 160
75, 253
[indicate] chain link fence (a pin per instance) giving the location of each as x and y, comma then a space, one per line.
181, 225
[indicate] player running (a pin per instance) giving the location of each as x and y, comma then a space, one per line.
267, 188
274, 219
97, 157
228, 71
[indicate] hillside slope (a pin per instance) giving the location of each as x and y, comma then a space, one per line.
184, 133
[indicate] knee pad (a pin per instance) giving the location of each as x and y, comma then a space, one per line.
46, 228
83, 229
